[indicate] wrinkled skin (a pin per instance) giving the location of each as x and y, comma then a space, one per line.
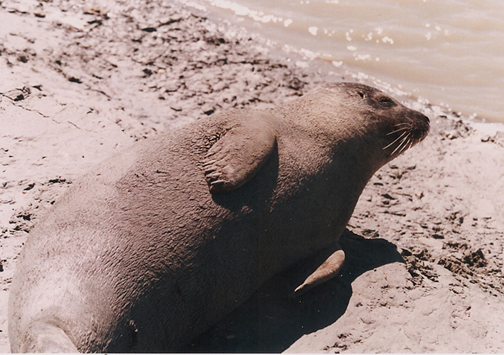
159, 242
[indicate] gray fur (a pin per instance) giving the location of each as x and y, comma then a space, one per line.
140, 256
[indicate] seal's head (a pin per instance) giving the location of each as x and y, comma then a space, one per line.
367, 120
397, 126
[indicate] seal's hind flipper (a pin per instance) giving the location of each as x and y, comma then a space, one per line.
240, 154
330, 268
47, 338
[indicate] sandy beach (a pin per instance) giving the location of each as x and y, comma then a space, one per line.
425, 246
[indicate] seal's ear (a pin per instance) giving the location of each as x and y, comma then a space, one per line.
240, 153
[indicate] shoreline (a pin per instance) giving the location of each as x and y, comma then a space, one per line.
360, 39
80, 82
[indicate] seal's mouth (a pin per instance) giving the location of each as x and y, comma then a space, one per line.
405, 135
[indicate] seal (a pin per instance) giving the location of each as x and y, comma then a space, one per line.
159, 242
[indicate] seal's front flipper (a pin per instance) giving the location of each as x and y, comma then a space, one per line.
330, 268
241, 153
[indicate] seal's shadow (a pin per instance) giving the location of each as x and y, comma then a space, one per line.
270, 322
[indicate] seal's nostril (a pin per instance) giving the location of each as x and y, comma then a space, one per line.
426, 119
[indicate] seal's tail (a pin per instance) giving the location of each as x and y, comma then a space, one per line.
47, 338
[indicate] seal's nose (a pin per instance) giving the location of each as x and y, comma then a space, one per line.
426, 119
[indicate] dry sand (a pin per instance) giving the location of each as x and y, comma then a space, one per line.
425, 245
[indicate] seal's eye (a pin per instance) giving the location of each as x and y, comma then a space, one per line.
361, 94
385, 100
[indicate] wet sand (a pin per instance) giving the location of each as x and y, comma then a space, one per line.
425, 244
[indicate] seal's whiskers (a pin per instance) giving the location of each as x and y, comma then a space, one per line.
406, 146
395, 140
398, 130
410, 143
404, 140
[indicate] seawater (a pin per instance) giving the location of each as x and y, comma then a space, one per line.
445, 52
